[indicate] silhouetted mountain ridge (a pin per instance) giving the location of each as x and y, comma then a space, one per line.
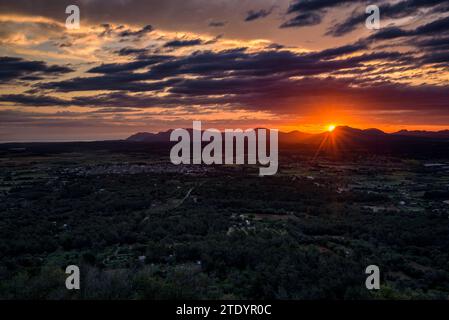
342, 132
443, 134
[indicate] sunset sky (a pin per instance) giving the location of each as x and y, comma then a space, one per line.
152, 65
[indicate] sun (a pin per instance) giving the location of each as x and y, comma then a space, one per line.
330, 127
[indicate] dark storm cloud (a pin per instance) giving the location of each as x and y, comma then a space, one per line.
117, 81
275, 46
130, 66
12, 68
272, 93
312, 5
390, 33
278, 95
183, 43
32, 100
303, 19
179, 43
264, 63
45, 121
168, 71
441, 25
436, 43
354, 21
257, 14
437, 27
245, 79
311, 12
338, 51
139, 33
387, 10
270, 77
114, 100
132, 51
430, 39
436, 58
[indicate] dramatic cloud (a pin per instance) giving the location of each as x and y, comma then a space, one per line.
139, 33
258, 14
143, 62
401, 9
33, 100
304, 19
271, 94
205, 59
435, 43
249, 80
440, 26
167, 72
132, 51
114, 82
183, 43
12, 68
310, 12
311, 5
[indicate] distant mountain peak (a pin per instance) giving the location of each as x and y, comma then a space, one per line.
355, 131
443, 134
162, 136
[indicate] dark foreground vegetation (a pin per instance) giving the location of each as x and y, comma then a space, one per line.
139, 228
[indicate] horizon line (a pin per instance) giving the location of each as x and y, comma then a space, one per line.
155, 133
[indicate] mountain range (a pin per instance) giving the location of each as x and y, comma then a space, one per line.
341, 132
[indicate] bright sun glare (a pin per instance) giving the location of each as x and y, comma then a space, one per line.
330, 127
